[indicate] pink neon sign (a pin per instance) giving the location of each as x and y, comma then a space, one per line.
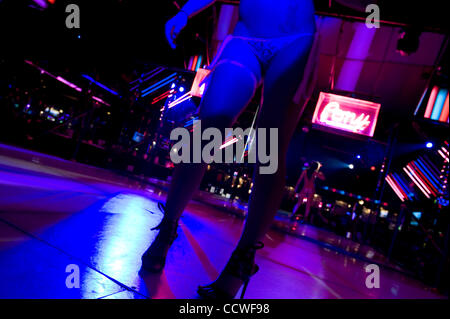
346, 114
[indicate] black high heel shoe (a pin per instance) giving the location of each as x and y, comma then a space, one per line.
154, 258
242, 266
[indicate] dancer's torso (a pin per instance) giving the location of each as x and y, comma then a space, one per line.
275, 18
308, 185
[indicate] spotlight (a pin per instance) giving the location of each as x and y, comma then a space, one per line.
181, 89
172, 86
351, 166
429, 145
358, 156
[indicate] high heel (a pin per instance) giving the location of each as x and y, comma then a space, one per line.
154, 258
242, 266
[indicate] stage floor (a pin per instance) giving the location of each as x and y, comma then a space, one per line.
56, 216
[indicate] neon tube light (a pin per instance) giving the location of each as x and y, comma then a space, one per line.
401, 187
425, 180
429, 175
417, 179
199, 63
402, 183
99, 84
444, 114
443, 155
412, 178
100, 100
191, 59
158, 87
439, 104
396, 185
418, 184
194, 63
430, 165
73, 86
431, 101
153, 73
417, 174
444, 150
230, 142
181, 99
167, 79
396, 191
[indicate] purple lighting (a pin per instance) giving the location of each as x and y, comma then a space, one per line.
73, 86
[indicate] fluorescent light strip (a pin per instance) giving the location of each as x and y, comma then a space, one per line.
424, 178
99, 84
445, 111
73, 86
430, 165
443, 155
396, 191
191, 59
182, 98
430, 177
59, 78
413, 178
420, 102
100, 100
413, 174
226, 144
431, 101
163, 95
419, 178
152, 75
158, 87
250, 135
439, 104
194, 63
160, 98
403, 184
199, 63
394, 179
394, 185
140, 79
179, 101
167, 79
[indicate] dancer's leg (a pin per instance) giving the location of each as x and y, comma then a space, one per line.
231, 88
297, 207
309, 200
282, 80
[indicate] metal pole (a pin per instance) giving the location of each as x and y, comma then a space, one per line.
398, 223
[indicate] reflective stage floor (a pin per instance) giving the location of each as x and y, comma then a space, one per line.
57, 216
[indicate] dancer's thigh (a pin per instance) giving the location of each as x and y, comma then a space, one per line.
282, 79
233, 82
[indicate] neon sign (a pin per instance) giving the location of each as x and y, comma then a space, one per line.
346, 114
